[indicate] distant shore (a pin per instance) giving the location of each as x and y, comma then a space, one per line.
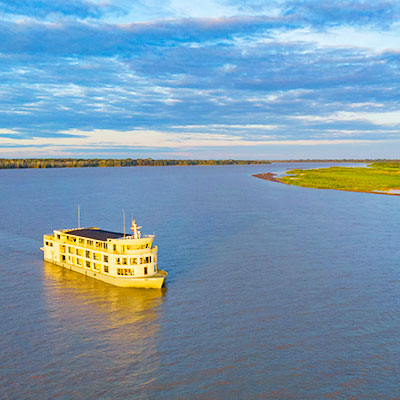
15, 163
22, 163
377, 178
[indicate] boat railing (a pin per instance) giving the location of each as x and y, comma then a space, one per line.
109, 249
134, 251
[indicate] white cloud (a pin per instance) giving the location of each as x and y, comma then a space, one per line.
99, 139
390, 118
7, 131
227, 126
344, 36
201, 9
367, 104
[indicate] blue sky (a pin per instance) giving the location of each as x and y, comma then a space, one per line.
212, 79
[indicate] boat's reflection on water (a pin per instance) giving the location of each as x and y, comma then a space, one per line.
93, 316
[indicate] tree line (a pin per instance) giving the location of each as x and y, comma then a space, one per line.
127, 162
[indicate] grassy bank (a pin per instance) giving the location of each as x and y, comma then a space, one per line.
376, 177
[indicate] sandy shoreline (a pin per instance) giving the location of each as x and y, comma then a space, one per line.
269, 176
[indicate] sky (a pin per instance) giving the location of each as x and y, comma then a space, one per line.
250, 79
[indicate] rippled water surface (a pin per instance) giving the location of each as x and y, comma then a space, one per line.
274, 291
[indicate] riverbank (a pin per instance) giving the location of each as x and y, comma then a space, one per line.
377, 178
23, 163
18, 163
268, 176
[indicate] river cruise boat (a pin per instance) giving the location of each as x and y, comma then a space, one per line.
115, 258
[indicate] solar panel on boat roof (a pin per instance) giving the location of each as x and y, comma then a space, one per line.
97, 234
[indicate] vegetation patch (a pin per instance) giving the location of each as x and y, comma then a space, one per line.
376, 177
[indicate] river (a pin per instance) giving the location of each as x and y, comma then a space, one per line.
274, 291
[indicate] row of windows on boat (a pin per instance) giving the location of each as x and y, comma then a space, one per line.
118, 260
102, 245
97, 267
131, 271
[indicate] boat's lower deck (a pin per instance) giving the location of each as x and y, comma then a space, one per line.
155, 281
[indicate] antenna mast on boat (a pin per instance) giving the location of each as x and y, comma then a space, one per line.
79, 216
123, 214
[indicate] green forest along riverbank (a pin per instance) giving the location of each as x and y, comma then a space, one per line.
127, 162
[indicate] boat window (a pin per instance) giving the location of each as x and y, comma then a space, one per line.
145, 270
87, 264
106, 259
133, 261
115, 247
87, 254
63, 257
125, 271
118, 261
124, 261
106, 269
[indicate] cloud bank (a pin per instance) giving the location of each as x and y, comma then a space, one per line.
244, 79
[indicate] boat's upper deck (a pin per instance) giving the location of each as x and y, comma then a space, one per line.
93, 238
96, 234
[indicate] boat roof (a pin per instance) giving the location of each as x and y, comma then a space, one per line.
97, 234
